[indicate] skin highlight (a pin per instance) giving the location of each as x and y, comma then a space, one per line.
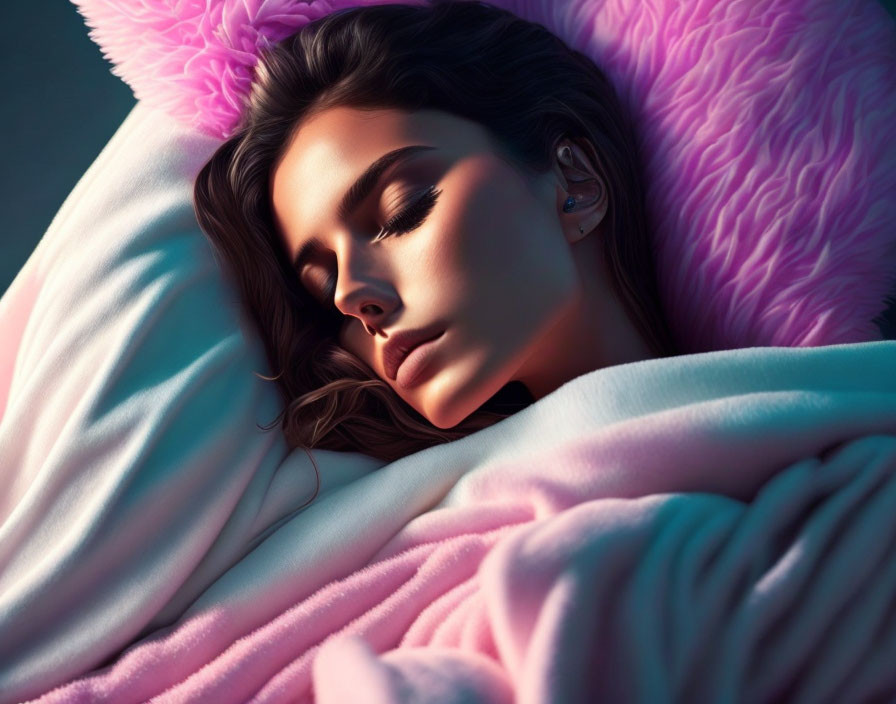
523, 294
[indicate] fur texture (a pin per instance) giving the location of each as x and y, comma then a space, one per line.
765, 127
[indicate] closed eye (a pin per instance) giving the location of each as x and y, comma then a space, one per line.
413, 216
406, 221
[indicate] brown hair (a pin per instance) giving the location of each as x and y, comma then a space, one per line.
467, 58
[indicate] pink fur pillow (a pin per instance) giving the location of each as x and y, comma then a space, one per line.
766, 128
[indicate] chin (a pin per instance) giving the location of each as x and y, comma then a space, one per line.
509, 399
443, 422
447, 416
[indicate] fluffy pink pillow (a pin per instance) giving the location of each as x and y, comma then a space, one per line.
766, 131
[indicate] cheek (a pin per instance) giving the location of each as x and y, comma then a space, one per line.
350, 336
500, 236
477, 230
355, 339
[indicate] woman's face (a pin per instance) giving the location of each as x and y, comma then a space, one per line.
489, 256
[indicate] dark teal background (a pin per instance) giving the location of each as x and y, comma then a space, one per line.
61, 104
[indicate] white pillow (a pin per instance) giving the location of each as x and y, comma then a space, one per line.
129, 447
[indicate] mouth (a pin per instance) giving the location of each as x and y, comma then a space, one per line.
403, 343
417, 363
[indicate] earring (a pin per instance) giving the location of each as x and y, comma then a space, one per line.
568, 206
565, 155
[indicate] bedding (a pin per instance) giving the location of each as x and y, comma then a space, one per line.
763, 126
134, 472
704, 528
154, 540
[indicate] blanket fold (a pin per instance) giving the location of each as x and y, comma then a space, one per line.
710, 527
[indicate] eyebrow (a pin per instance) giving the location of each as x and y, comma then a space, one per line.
362, 188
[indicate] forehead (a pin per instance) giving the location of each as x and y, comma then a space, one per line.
328, 152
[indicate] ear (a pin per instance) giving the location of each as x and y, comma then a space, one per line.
578, 176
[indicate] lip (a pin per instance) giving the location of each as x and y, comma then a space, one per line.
419, 364
401, 344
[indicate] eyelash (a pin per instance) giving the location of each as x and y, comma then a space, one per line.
406, 221
411, 217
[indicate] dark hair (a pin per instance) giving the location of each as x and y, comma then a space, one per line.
470, 59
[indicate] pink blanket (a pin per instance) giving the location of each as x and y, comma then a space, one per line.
711, 527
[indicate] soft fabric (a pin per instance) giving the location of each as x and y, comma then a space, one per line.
194, 58
765, 131
132, 472
706, 528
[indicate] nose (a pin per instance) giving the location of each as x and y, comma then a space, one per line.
363, 287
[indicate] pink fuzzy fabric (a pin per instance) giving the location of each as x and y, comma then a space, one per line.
766, 128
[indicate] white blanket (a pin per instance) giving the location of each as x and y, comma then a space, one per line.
818, 422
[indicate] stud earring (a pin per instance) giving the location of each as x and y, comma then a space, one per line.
568, 206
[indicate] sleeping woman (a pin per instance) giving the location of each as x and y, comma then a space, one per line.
444, 203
